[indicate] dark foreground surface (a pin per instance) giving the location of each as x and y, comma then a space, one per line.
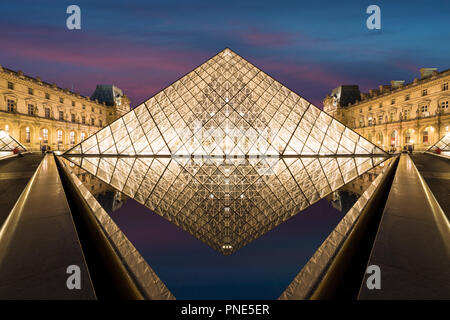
14, 176
436, 172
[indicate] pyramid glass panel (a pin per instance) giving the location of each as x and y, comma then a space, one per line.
8, 143
443, 144
227, 153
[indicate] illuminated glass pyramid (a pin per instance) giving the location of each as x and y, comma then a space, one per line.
8, 143
226, 153
443, 144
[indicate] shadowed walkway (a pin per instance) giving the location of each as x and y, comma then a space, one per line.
412, 247
436, 172
14, 176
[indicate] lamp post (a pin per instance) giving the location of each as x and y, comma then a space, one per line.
40, 143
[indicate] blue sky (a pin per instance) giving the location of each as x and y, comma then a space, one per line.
142, 46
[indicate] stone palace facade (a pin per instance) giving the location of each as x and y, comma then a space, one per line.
39, 114
393, 116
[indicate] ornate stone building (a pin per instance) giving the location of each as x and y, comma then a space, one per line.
37, 113
399, 114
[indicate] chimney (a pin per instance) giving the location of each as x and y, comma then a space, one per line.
427, 72
397, 83
384, 88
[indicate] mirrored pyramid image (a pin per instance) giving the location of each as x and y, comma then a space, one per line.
226, 153
8, 143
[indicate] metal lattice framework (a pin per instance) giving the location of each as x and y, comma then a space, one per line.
227, 153
443, 144
8, 143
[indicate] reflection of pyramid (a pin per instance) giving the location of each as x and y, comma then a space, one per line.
226, 153
8, 143
443, 144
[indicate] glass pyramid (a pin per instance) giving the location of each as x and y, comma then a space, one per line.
226, 153
443, 144
8, 143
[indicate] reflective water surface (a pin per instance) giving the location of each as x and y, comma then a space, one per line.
261, 269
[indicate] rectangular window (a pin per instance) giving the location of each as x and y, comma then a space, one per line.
92, 121
47, 112
406, 114
370, 121
100, 111
424, 92
30, 109
393, 101
444, 106
392, 116
83, 119
10, 85
380, 105
425, 137
92, 109
73, 117
424, 108
47, 96
84, 107
30, 91
407, 97
61, 115
61, 100
73, 103
11, 104
380, 118
370, 108
100, 123
445, 86
361, 122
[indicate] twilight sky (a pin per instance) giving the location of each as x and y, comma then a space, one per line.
143, 46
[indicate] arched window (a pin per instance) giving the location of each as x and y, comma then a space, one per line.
72, 137
380, 138
45, 135
27, 134
425, 136
394, 138
59, 133
82, 136
408, 137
